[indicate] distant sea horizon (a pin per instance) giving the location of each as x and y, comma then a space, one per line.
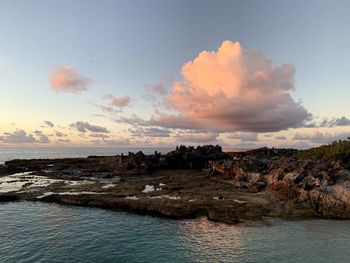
11, 153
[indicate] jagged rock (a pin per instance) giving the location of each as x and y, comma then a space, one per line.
289, 184
194, 158
3, 170
324, 184
241, 173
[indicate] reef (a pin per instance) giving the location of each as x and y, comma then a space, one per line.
229, 187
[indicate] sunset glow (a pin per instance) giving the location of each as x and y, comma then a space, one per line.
120, 81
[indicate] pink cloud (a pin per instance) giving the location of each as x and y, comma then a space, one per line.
233, 89
159, 89
67, 79
119, 102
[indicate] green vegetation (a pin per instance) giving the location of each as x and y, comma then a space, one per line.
337, 150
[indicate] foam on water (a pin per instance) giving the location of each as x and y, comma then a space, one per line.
69, 193
26, 181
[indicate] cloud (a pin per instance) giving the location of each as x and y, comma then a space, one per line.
85, 126
198, 137
343, 121
107, 109
233, 89
22, 137
320, 137
155, 91
112, 142
119, 102
67, 79
18, 136
60, 134
244, 137
63, 140
99, 135
159, 89
49, 124
281, 137
116, 142
328, 122
247, 145
43, 139
150, 132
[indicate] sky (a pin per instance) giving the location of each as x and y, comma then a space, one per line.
159, 73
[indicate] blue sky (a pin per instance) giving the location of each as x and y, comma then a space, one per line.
121, 46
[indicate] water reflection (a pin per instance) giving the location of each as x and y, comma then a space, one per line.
206, 238
38, 232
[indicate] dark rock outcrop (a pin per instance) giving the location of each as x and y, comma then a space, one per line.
193, 158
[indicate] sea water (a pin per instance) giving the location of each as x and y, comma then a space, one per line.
40, 232
7, 154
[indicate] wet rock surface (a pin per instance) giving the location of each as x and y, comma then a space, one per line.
188, 182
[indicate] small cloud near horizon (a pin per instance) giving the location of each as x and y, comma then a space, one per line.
82, 126
22, 137
49, 124
321, 137
244, 137
203, 138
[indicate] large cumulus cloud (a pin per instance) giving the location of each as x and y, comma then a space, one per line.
233, 89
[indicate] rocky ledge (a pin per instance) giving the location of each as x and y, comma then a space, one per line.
189, 182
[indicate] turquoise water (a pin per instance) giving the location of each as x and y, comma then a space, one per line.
39, 232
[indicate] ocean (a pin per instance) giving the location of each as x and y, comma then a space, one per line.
41, 232
7, 154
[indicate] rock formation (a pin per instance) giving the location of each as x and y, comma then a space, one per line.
189, 182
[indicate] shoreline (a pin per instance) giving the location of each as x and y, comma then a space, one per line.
188, 182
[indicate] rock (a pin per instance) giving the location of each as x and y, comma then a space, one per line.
271, 182
194, 158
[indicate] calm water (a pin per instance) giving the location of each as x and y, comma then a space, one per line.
7, 154
38, 232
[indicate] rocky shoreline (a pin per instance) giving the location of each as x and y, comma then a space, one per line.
188, 182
